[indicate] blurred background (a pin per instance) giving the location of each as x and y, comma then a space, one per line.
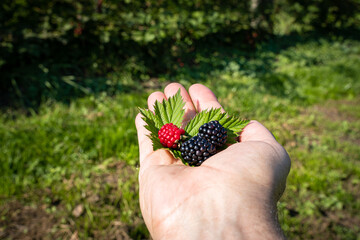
73, 73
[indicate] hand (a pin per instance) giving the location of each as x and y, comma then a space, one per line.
232, 195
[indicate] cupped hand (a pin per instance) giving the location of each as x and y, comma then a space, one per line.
232, 195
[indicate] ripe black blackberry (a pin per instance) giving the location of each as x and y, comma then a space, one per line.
196, 150
214, 133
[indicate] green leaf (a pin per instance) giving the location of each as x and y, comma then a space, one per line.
176, 154
160, 113
231, 138
151, 120
176, 105
171, 110
156, 142
148, 37
232, 124
192, 128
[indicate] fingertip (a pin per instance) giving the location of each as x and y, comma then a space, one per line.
196, 86
200, 89
153, 97
203, 98
172, 89
138, 120
255, 131
157, 158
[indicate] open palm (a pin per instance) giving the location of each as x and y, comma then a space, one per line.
223, 197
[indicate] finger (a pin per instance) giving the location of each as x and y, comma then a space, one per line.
157, 158
147, 156
203, 98
145, 144
155, 96
255, 131
172, 89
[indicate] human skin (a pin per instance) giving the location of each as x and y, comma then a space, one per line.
232, 195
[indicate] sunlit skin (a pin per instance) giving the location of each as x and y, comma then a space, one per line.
232, 195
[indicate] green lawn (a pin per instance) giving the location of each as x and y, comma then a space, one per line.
71, 169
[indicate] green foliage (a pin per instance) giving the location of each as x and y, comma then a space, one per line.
61, 49
308, 71
318, 15
67, 138
325, 171
65, 49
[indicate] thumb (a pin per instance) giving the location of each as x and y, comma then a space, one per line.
255, 131
157, 158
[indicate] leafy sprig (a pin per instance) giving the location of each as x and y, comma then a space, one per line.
172, 111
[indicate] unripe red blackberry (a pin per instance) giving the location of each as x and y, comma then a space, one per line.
196, 150
169, 135
214, 133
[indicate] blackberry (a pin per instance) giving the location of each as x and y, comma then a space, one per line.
214, 133
169, 135
196, 150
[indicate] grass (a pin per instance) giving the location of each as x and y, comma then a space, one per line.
84, 155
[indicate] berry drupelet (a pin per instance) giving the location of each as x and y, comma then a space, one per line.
213, 132
170, 135
196, 150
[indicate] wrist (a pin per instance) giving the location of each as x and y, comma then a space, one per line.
259, 220
224, 216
